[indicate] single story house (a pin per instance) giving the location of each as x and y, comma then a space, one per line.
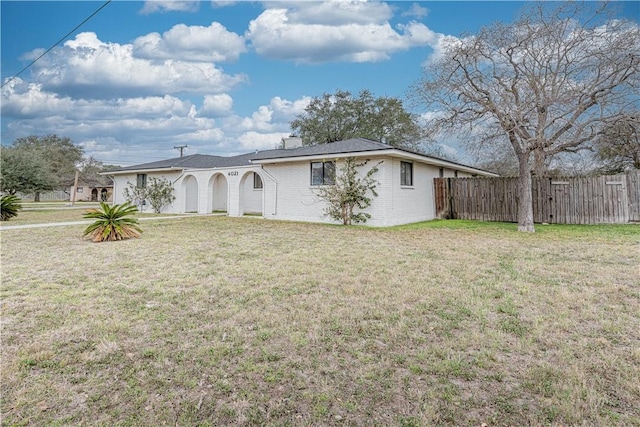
92, 191
283, 183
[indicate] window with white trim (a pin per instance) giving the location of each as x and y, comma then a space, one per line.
141, 180
323, 173
257, 182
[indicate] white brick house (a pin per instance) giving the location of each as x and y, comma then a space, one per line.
283, 183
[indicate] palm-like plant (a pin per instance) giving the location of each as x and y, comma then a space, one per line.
9, 206
112, 223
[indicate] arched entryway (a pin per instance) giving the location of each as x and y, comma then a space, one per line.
104, 195
94, 195
251, 194
190, 187
218, 193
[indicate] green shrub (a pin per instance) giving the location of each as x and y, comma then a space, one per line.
112, 223
9, 206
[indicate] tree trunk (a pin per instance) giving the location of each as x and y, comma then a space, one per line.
539, 163
525, 197
345, 216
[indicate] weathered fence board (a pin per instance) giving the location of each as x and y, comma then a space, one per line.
559, 200
633, 191
47, 196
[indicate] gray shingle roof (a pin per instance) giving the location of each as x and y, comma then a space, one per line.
354, 145
192, 161
203, 161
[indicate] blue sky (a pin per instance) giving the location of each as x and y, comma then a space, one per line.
221, 77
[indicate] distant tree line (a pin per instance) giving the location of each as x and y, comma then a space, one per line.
36, 164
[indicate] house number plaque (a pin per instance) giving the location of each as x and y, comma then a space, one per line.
232, 173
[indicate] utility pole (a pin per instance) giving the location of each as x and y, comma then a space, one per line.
75, 188
181, 148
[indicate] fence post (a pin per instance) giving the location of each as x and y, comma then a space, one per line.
633, 194
450, 204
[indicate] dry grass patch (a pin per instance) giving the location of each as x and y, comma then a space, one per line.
216, 321
61, 214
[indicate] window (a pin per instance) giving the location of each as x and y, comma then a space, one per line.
406, 173
79, 190
441, 172
257, 181
141, 180
323, 173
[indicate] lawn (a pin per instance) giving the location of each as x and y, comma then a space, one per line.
47, 213
220, 321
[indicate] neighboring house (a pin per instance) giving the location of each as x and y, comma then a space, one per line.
283, 183
93, 190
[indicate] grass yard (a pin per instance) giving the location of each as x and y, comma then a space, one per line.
220, 321
47, 214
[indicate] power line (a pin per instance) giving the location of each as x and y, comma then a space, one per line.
56, 44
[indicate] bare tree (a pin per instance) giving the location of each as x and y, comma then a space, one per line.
549, 83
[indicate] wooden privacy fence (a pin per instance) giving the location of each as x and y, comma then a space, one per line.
558, 200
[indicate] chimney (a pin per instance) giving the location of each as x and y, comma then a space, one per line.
292, 142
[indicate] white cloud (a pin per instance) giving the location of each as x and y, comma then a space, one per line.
441, 43
95, 68
217, 105
27, 100
259, 120
354, 32
336, 12
285, 110
260, 141
223, 3
191, 43
416, 11
153, 6
274, 117
136, 130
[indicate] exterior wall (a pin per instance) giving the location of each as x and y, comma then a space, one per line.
206, 190
294, 196
84, 193
218, 194
251, 198
415, 203
411, 203
297, 199
451, 173
287, 193
190, 190
120, 183
219, 189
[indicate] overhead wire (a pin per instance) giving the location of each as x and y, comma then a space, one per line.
56, 44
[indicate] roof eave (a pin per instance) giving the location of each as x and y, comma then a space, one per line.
317, 157
143, 170
385, 152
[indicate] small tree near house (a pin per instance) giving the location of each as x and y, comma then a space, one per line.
158, 192
349, 196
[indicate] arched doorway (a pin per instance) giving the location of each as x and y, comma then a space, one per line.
190, 186
251, 194
218, 193
104, 195
94, 195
